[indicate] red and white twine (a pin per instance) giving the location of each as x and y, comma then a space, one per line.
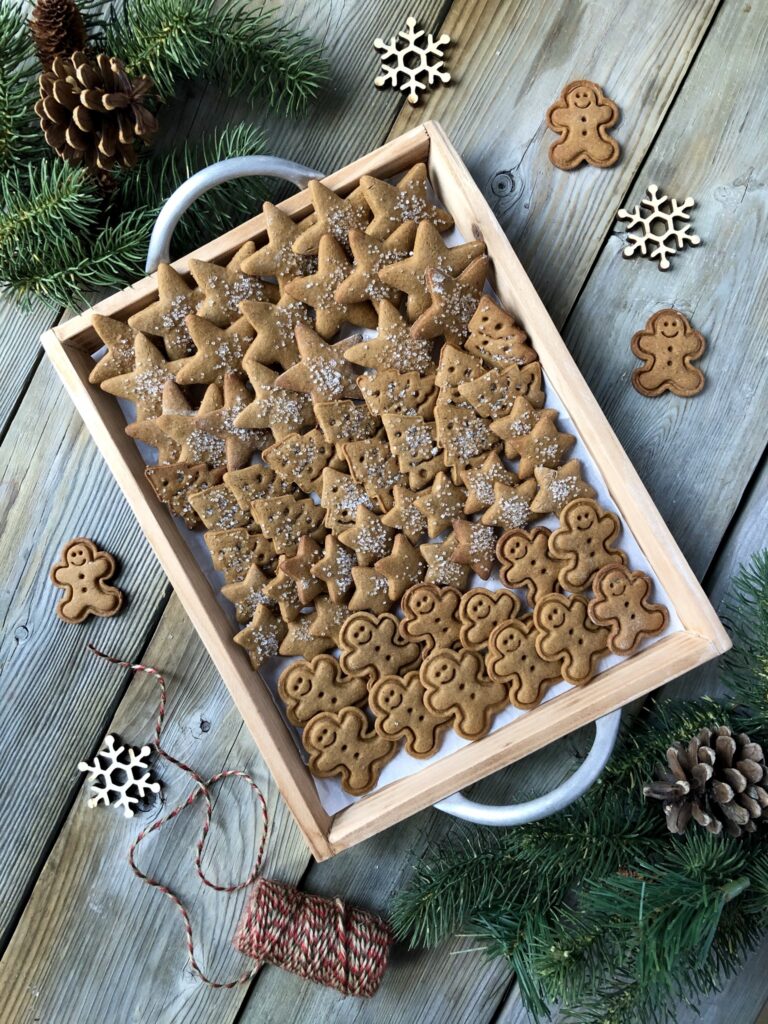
316, 938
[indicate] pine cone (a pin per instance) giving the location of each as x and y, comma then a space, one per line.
92, 112
719, 780
57, 28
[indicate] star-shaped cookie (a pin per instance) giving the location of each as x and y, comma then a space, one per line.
239, 443
299, 568
475, 546
275, 326
441, 568
151, 432
405, 201
262, 637
429, 252
120, 340
441, 504
512, 506
224, 288
144, 384
369, 254
247, 594
544, 446
323, 371
402, 567
277, 258
318, 290
167, 317
394, 347
282, 411
335, 215
453, 301
556, 487
197, 444
218, 351
479, 481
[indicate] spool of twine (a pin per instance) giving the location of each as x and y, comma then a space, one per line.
320, 939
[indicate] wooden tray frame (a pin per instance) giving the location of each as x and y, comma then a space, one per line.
703, 637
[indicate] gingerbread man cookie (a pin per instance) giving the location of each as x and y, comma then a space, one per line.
81, 574
581, 116
667, 347
371, 645
621, 603
344, 744
431, 615
481, 611
513, 659
584, 542
526, 562
401, 714
456, 684
309, 687
566, 634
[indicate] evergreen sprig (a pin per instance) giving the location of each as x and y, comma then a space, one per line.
599, 909
246, 49
20, 137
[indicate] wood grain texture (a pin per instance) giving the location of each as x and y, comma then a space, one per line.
20, 331
510, 61
92, 921
696, 455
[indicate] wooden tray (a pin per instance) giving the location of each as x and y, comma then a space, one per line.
703, 637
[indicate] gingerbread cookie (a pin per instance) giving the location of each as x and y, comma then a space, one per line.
224, 288
218, 351
299, 568
119, 340
322, 370
308, 687
343, 743
82, 574
456, 684
277, 258
285, 520
544, 446
431, 615
334, 569
143, 385
344, 420
336, 216
218, 508
275, 325
373, 466
479, 480
329, 618
341, 497
414, 443
273, 407
518, 423
493, 394
621, 603
150, 431
567, 635
233, 552
283, 592
300, 459
481, 611
398, 704
371, 254
300, 639
462, 434
584, 543
512, 659
526, 562
254, 482
405, 515
581, 116
371, 645
496, 338
667, 348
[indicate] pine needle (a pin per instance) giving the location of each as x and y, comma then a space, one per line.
20, 137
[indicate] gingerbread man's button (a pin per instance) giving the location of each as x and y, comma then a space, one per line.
581, 116
81, 574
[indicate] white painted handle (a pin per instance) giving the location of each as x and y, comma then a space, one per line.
237, 167
576, 785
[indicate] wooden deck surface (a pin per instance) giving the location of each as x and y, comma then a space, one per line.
83, 941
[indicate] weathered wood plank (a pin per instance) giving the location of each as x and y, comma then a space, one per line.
696, 455
82, 498
509, 62
91, 921
20, 332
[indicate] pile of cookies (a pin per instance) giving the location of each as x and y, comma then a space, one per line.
351, 486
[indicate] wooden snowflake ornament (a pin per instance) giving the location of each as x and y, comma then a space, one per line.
413, 61
662, 228
120, 773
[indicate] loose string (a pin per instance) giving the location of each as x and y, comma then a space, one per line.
203, 790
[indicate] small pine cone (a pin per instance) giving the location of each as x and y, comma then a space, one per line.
57, 28
718, 780
92, 112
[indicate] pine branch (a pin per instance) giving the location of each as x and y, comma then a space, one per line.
20, 138
266, 59
745, 666
247, 50
158, 175
67, 266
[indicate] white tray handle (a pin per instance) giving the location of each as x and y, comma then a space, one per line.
606, 731
236, 167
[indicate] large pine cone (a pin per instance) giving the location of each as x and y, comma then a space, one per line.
92, 112
718, 780
57, 28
